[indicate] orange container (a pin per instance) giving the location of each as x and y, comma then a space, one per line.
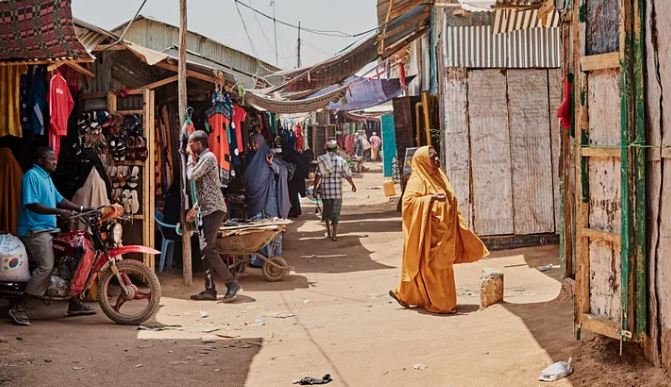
389, 189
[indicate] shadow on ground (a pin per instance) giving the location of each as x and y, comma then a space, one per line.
60, 351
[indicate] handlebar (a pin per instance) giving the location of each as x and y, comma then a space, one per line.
81, 214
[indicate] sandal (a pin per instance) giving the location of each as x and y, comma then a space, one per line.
134, 178
141, 151
395, 297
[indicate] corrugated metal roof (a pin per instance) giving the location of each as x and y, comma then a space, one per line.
519, 3
507, 20
479, 47
160, 36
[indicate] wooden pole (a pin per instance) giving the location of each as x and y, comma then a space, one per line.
182, 98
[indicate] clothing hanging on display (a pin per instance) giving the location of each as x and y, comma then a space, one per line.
239, 116
10, 196
34, 100
10, 100
300, 140
219, 121
60, 107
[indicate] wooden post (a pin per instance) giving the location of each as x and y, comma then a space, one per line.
182, 98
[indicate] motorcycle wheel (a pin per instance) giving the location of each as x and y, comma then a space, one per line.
142, 282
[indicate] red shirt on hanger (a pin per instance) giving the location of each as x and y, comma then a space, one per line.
60, 107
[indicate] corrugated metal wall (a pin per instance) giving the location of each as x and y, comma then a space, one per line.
479, 47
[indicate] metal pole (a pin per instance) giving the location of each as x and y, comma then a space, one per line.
277, 60
298, 51
182, 98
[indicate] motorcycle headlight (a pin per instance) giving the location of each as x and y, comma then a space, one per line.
117, 233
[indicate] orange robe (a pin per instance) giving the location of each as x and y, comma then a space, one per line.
435, 238
10, 196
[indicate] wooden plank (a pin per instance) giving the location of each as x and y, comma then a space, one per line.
601, 326
602, 152
130, 112
601, 235
151, 166
189, 73
605, 190
603, 21
531, 152
554, 98
162, 82
600, 62
457, 139
490, 149
582, 138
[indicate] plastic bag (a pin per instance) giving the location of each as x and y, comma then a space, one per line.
13, 260
556, 371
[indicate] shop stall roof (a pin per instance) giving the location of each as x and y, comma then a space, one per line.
97, 39
164, 37
53, 40
390, 38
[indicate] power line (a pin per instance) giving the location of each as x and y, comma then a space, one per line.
130, 22
333, 33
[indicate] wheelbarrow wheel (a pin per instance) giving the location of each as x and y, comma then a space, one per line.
272, 273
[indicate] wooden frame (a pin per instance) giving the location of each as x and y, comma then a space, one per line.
600, 62
148, 166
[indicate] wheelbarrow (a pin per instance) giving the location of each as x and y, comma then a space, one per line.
244, 241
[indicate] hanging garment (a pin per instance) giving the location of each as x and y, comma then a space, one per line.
219, 145
34, 100
10, 100
300, 139
10, 195
60, 107
239, 116
564, 110
92, 194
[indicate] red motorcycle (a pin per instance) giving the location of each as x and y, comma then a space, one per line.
128, 291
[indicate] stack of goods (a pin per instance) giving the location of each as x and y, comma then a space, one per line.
90, 127
125, 183
126, 140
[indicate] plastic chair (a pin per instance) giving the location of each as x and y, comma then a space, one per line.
168, 245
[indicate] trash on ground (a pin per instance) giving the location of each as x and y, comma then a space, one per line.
280, 315
178, 362
226, 336
310, 381
204, 314
419, 366
259, 322
556, 371
139, 365
547, 267
77, 368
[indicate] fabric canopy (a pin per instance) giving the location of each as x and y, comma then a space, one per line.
309, 104
364, 93
39, 31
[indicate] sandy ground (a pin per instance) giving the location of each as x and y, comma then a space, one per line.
331, 316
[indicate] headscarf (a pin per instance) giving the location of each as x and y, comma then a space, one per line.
434, 231
258, 181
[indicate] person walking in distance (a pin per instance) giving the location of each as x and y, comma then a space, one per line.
375, 143
330, 174
202, 168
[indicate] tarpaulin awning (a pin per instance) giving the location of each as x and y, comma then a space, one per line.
39, 31
364, 93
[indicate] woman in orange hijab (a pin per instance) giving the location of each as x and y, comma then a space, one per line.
436, 237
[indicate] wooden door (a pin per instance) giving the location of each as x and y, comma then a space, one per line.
606, 128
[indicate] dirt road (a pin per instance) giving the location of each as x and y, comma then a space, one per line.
332, 316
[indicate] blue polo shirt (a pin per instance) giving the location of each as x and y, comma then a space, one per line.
37, 188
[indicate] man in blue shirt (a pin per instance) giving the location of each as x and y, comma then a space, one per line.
40, 204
